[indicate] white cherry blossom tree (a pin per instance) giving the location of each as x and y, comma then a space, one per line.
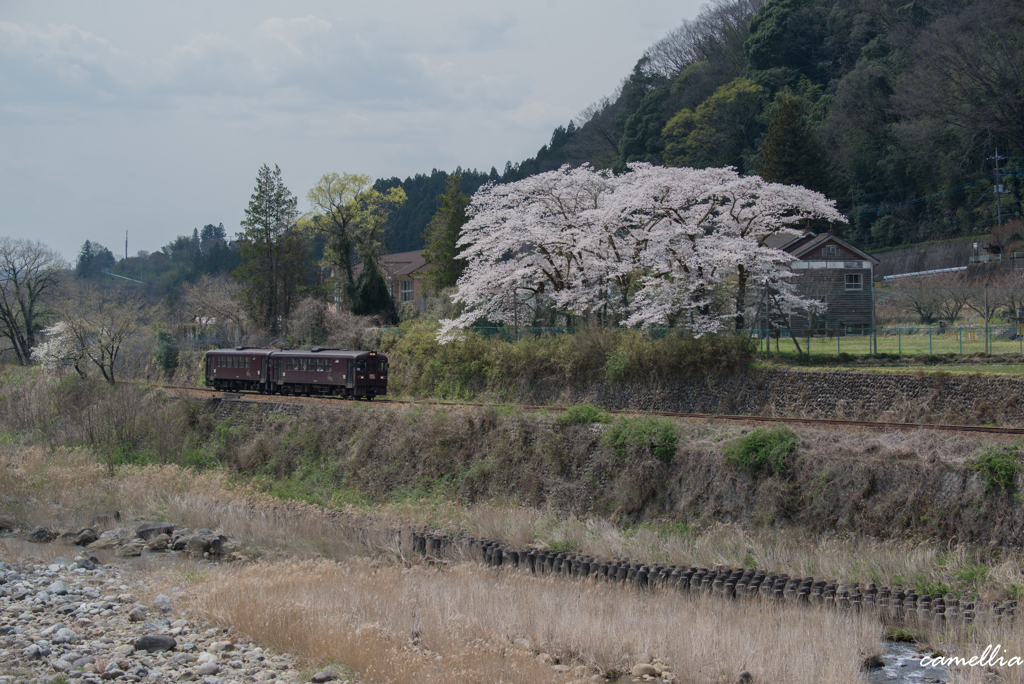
654, 246
705, 233
534, 236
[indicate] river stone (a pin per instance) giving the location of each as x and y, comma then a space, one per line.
159, 543
137, 614
85, 537
872, 663
324, 676
132, 548
105, 543
148, 530
207, 669
641, 669
42, 535
153, 643
85, 563
65, 636
58, 588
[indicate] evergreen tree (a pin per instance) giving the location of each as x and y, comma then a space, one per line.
791, 153
374, 299
93, 259
442, 234
266, 245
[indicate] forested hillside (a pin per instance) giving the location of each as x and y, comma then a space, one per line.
406, 224
896, 110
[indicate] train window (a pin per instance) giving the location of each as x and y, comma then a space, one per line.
320, 365
360, 366
383, 366
304, 364
327, 365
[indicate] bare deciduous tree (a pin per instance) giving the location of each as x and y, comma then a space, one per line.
28, 272
317, 322
214, 302
100, 320
940, 297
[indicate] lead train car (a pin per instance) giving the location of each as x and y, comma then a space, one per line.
337, 372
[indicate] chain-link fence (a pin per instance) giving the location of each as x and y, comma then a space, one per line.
905, 341
963, 341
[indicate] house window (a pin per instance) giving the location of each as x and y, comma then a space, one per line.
853, 281
406, 290
830, 251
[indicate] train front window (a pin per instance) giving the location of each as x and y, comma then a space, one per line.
360, 366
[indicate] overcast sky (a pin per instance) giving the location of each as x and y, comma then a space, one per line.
155, 117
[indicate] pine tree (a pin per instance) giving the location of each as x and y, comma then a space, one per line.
791, 153
265, 246
442, 234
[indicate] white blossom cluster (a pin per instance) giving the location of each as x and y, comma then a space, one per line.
60, 348
655, 246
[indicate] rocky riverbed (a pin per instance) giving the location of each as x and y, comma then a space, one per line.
75, 621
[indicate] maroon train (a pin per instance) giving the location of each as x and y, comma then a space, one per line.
332, 372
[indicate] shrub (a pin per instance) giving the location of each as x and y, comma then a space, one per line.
475, 363
584, 414
654, 436
763, 450
998, 468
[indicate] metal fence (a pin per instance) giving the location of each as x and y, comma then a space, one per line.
962, 341
935, 340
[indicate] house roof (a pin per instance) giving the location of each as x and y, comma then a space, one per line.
399, 264
784, 240
800, 245
803, 248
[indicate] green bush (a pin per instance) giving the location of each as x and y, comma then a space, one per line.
763, 450
420, 366
584, 414
646, 435
998, 468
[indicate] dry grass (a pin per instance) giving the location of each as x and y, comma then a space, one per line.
67, 487
420, 624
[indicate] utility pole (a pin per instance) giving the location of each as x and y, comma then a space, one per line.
998, 189
986, 319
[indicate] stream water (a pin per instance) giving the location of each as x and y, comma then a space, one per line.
903, 664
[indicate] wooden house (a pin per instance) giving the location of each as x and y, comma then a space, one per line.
829, 269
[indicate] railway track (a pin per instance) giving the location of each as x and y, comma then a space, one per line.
710, 417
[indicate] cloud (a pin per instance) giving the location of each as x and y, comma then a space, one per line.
59, 64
